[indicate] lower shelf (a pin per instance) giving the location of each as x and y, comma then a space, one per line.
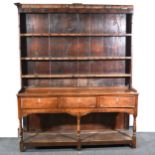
71, 139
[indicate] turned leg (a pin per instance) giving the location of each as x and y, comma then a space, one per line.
133, 145
21, 145
78, 133
20, 130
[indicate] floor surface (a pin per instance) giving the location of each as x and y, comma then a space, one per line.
145, 146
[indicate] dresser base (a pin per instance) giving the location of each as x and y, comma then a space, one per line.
78, 103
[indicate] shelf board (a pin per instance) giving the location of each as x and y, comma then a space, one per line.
75, 58
71, 138
76, 75
75, 34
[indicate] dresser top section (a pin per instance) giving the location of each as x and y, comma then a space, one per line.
74, 8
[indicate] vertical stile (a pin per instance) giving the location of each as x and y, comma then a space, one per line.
20, 48
49, 47
131, 50
78, 22
129, 47
102, 41
90, 54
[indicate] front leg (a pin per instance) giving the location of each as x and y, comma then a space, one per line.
78, 133
20, 117
133, 144
21, 144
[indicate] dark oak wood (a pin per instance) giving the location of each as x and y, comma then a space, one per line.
76, 75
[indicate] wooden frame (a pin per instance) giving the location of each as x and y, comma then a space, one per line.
76, 59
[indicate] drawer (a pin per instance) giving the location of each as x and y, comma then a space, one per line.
38, 103
116, 101
78, 102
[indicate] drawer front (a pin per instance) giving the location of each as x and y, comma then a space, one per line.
77, 102
127, 101
38, 103
116, 101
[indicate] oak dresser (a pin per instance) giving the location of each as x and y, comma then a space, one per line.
76, 75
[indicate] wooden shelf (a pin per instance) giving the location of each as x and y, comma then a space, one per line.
75, 58
87, 138
71, 91
76, 76
75, 34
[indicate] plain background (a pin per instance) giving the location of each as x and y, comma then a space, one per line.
143, 60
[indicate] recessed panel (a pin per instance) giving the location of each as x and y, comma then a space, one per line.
37, 23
